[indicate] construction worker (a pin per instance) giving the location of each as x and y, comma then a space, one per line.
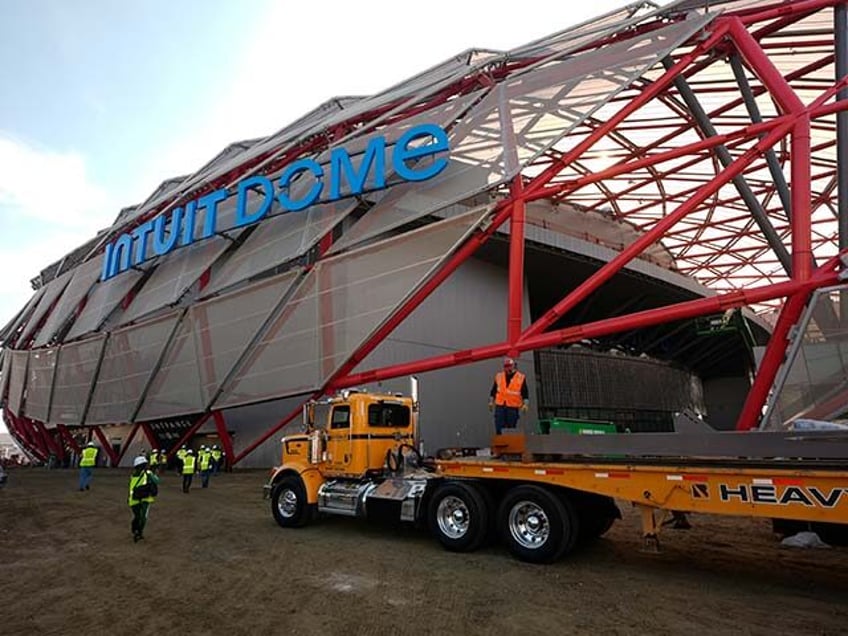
204, 460
216, 459
88, 460
508, 396
143, 491
188, 469
153, 460
180, 457
163, 460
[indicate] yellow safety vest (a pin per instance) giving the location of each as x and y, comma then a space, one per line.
139, 480
89, 457
205, 461
509, 395
188, 465
216, 455
154, 459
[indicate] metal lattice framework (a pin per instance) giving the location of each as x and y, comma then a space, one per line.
716, 129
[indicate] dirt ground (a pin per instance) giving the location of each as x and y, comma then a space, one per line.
214, 561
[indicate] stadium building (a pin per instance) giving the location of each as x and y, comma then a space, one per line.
642, 209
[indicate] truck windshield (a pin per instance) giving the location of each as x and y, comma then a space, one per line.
392, 414
321, 415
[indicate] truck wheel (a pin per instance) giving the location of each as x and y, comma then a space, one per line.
458, 516
536, 525
288, 502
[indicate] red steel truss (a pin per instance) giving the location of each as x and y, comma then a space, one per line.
657, 164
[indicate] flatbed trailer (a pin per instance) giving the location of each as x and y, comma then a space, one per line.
541, 495
799, 491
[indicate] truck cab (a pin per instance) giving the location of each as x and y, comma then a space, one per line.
353, 443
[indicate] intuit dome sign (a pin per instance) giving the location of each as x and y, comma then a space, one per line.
418, 155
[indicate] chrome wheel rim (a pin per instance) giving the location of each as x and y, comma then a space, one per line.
529, 525
453, 517
287, 503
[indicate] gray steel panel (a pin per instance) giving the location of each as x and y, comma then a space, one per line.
5, 367
40, 371
340, 302
51, 293
130, 357
102, 300
75, 371
17, 380
84, 277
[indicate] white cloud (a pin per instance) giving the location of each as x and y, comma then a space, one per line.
44, 185
54, 206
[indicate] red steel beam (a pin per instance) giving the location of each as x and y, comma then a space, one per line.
772, 359
264, 437
188, 434
645, 96
150, 435
114, 458
72, 443
516, 262
224, 436
610, 268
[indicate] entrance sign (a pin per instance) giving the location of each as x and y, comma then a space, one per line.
336, 180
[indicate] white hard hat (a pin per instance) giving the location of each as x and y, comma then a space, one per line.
90, 444
139, 461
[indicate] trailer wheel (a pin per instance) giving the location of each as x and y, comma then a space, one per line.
458, 516
536, 525
288, 502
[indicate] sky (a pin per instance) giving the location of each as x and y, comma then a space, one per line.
103, 100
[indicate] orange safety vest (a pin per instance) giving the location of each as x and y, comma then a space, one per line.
509, 395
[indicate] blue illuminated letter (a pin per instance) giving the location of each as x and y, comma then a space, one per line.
243, 217
140, 235
160, 244
211, 201
403, 152
188, 223
301, 165
121, 255
340, 164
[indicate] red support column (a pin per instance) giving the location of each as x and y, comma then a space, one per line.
751, 412
150, 435
802, 240
224, 436
188, 434
516, 262
72, 443
609, 269
127, 442
114, 458
250, 448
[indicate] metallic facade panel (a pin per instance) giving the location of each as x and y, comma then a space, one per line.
175, 389
5, 366
131, 355
211, 338
42, 366
51, 293
75, 371
17, 380
84, 277
174, 275
336, 307
277, 240
225, 326
102, 300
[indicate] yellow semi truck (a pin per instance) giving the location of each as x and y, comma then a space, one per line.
542, 495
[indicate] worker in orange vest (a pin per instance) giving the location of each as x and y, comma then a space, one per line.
509, 396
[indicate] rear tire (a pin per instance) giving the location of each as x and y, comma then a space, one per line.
536, 525
288, 502
458, 516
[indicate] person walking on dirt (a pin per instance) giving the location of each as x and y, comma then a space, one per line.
508, 396
189, 468
88, 460
204, 459
143, 491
